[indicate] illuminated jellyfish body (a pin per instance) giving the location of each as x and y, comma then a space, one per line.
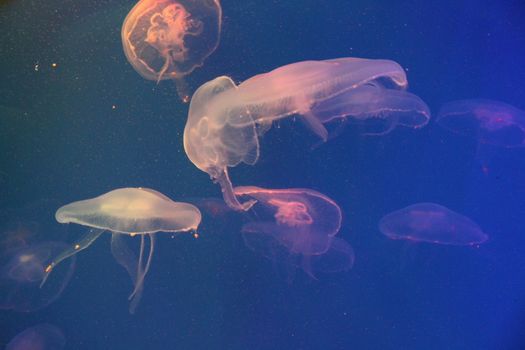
296, 226
22, 272
432, 223
226, 120
41, 337
168, 39
490, 122
127, 211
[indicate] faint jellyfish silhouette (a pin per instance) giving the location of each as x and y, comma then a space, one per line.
168, 39
433, 223
40, 337
22, 271
297, 226
225, 121
490, 122
127, 211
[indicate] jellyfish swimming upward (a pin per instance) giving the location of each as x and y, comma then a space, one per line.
225, 121
296, 226
127, 211
168, 39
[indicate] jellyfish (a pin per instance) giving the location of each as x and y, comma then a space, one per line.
168, 39
225, 121
491, 122
40, 337
22, 271
127, 211
433, 223
297, 226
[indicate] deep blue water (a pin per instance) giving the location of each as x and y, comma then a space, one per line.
62, 140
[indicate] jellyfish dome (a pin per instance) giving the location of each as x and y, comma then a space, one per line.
40, 337
296, 227
490, 122
167, 39
131, 211
302, 220
22, 271
432, 223
127, 211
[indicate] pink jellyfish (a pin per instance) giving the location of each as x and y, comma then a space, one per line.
297, 226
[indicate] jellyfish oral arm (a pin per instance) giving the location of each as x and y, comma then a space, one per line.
229, 196
76, 247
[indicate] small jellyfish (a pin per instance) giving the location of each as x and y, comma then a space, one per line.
127, 211
491, 122
22, 271
41, 337
225, 121
296, 226
433, 223
168, 39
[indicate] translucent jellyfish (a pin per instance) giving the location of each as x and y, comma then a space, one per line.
127, 211
491, 122
434, 223
168, 39
225, 121
41, 337
296, 226
22, 271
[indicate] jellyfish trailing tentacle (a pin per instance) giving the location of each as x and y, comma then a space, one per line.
142, 270
81, 244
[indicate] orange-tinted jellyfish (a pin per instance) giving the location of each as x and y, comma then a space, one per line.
168, 39
296, 227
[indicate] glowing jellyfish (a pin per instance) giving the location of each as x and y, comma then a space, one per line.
41, 337
127, 211
433, 223
22, 271
226, 120
296, 226
168, 39
491, 122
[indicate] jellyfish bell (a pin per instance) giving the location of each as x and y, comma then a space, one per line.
40, 337
296, 227
431, 223
22, 271
127, 211
168, 39
225, 121
490, 122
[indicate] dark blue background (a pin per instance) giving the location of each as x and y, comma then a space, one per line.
61, 140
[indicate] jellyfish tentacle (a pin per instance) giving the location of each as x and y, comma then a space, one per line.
142, 270
81, 244
229, 196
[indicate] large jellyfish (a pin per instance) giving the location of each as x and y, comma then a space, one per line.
168, 39
40, 337
433, 223
491, 122
127, 211
296, 226
225, 120
22, 271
